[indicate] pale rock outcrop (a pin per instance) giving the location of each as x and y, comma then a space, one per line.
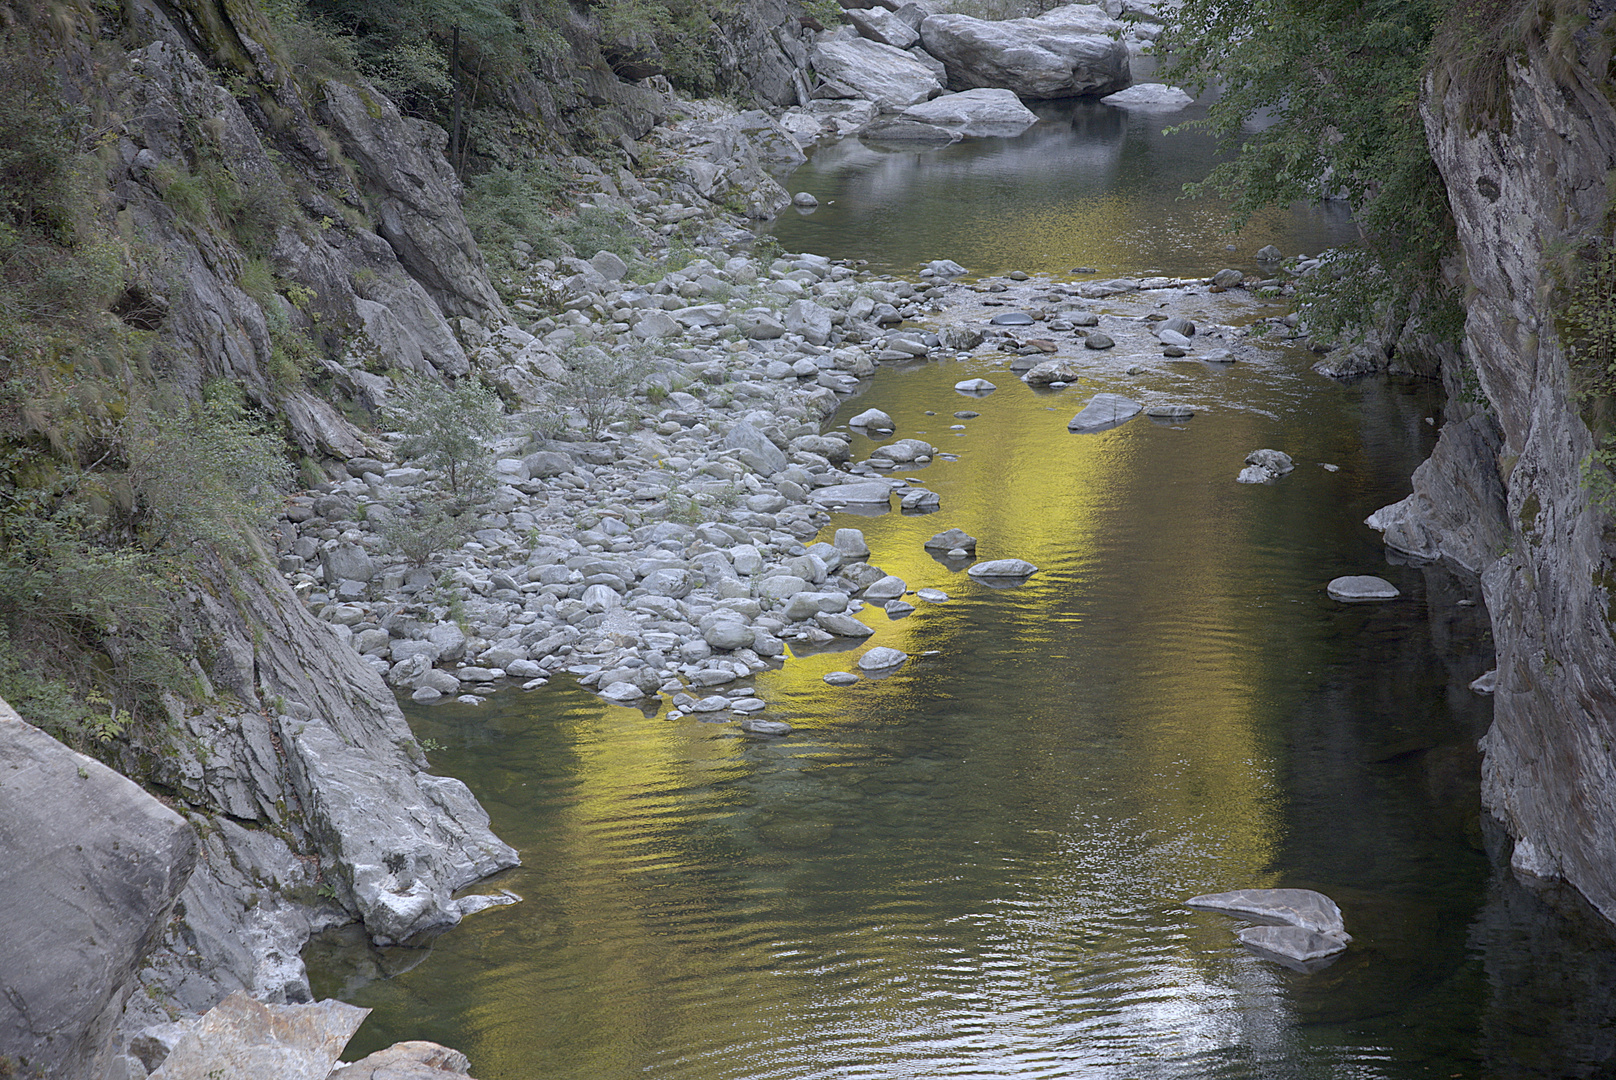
90, 869
980, 112
888, 77
1067, 52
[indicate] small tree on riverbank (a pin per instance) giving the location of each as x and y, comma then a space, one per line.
448, 429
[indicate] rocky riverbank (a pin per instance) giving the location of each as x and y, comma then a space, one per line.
675, 552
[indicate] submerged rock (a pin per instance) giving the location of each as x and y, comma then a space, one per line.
1003, 568
1149, 97
1104, 411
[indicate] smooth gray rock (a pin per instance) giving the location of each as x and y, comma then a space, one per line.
872, 418
1289, 907
347, 562
976, 387
888, 77
1067, 52
728, 634
851, 543
90, 868
1098, 341
757, 725
1149, 97
975, 113
1012, 318
1104, 411
840, 678
240, 1037
882, 658
1002, 568
868, 493
1361, 588
949, 539
744, 436
879, 24
1291, 943
842, 625
903, 451
888, 588
921, 500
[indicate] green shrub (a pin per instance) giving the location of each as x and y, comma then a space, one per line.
598, 388
204, 474
432, 524
448, 429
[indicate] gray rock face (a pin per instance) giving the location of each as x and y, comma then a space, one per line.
888, 77
243, 1037
881, 25
417, 196
1265, 466
92, 868
1104, 411
403, 841
1067, 52
1361, 588
1457, 509
974, 113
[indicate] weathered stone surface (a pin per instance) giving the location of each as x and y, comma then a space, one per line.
870, 493
414, 1060
1067, 52
1104, 411
403, 841
975, 113
1360, 588
1457, 510
1305, 908
90, 868
888, 77
842, 625
882, 658
240, 1037
744, 436
417, 198
878, 24
1149, 97
949, 539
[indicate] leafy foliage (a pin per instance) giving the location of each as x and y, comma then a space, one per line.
598, 389
432, 523
1319, 99
448, 429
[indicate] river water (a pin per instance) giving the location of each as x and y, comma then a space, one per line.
975, 866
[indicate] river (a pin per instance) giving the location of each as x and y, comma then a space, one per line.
975, 866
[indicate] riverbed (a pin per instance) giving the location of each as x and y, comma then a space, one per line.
975, 866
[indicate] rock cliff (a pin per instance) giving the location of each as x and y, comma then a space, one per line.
1506, 493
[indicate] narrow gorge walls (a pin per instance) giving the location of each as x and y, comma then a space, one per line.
1529, 183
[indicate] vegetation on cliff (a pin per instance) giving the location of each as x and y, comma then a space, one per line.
1321, 101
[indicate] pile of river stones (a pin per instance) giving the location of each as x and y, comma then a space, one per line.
675, 556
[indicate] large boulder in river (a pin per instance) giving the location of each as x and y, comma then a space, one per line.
889, 77
980, 112
92, 866
1067, 52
